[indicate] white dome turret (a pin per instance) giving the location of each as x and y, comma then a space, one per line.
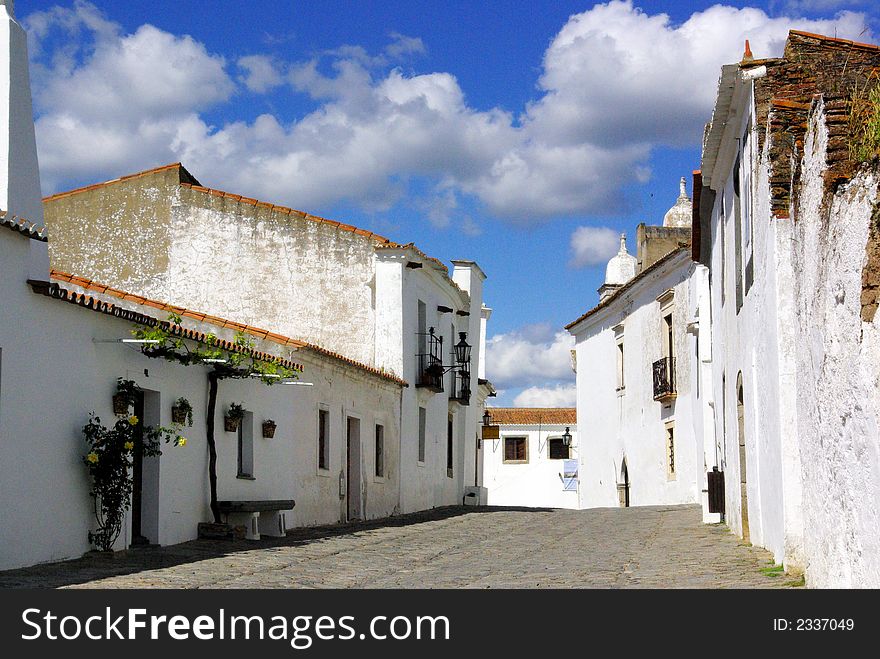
621, 268
681, 214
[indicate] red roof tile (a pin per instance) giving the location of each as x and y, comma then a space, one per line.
533, 416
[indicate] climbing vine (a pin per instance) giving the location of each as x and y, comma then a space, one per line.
109, 460
164, 341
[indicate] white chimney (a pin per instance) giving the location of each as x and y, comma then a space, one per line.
20, 193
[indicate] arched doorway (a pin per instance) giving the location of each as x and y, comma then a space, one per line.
741, 435
623, 486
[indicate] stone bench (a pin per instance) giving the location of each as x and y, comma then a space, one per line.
259, 517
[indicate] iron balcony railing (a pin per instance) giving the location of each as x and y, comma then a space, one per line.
664, 378
461, 386
430, 361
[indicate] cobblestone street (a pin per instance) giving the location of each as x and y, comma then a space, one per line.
656, 547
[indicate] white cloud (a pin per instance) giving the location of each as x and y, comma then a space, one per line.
615, 83
593, 246
532, 355
261, 73
561, 395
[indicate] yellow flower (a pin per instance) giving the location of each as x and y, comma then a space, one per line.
133, 420
181, 441
92, 457
129, 446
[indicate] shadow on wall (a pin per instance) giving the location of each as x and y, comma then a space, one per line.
95, 566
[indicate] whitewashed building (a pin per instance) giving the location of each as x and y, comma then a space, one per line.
635, 374
353, 444
530, 463
788, 231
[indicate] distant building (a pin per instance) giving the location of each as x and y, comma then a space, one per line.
635, 374
526, 465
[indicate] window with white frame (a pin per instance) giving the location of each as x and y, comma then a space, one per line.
516, 450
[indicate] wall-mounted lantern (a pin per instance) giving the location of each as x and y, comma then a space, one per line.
566, 437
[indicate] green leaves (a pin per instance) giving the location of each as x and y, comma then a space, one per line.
166, 343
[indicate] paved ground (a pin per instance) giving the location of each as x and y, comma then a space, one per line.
660, 547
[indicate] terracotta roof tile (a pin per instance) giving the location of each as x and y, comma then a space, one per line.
88, 284
128, 177
532, 416
23, 226
843, 42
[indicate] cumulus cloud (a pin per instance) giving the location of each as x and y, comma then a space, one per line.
615, 83
260, 73
561, 395
532, 355
593, 246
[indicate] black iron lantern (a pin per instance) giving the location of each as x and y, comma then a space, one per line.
566, 437
462, 349
487, 418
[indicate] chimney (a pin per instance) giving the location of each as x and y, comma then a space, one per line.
20, 193
747, 54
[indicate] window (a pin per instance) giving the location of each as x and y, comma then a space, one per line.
449, 445
737, 234
323, 439
246, 446
422, 337
380, 450
747, 207
722, 222
516, 449
558, 449
618, 338
670, 452
423, 414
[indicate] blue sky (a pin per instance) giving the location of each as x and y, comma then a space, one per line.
522, 134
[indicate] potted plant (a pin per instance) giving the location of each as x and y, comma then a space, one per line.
182, 412
125, 397
233, 417
269, 428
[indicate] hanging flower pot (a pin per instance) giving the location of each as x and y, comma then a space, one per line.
178, 415
181, 412
233, 417
121, 404
269, 428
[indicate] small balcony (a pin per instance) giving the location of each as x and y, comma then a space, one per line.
461, 386
664, 380
430, 362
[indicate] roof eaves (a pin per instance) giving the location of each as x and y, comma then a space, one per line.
628, 285
262, 334
25, 227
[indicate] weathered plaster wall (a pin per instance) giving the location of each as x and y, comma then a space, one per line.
117, 234
631, 424
536, 484
301, 278
838, 394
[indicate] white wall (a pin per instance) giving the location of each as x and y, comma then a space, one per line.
53, 374
535, 484
838, 406
631, 424
753, 341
